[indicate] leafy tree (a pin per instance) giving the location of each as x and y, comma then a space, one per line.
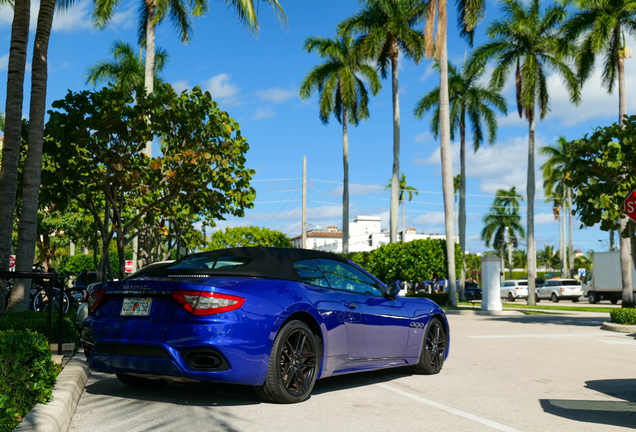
503, 215
248, 236
386, 28
473, 267
404, 189
548, 257
520, 258
601, 24
529, 41
554, 174
126, 69
202, 160
343, 94
601, 168
467, 97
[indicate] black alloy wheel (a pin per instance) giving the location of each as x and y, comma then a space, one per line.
433, 350
293, 365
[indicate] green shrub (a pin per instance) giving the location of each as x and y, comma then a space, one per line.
413, 261
78, 263
36, 321
439, 298
625, 316
27, 375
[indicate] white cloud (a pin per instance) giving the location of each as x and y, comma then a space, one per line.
221, 88
277, 94
429, 71
422, 137
263, 113
180, 85
73, 19
544, 219
4, 62
356, 189
431, 218
497, 167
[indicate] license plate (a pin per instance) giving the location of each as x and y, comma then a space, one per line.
136, 306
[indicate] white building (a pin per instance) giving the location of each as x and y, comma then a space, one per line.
365, 234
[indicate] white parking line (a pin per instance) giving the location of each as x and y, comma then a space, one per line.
567, 335
619, 342
451, 410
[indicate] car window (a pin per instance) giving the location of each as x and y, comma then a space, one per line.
310, 274
548, 284
523, 283
344, 277
509, 284
569, 283
206, 262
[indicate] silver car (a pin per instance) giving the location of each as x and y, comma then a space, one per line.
560, 289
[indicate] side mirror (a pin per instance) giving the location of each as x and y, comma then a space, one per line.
393, 289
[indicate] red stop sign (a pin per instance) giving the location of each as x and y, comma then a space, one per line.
11, 261
630, 206
128, 267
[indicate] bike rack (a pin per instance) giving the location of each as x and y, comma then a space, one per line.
49, 293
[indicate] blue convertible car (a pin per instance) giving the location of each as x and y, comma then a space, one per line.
276, 319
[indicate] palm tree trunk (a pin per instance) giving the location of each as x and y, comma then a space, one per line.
532, 256
611, 240
403, 222
571, 247
345, 190
27, 228
13, 129
447, 165
562, 238
462, 204
626, 261
150, 59
395, 182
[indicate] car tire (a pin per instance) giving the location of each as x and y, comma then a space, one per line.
511, 298
294, 365
614, 300
139, 382
575, 300
433, 349
591, 297
554, 298
536, 298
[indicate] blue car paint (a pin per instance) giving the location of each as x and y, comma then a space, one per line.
376, 334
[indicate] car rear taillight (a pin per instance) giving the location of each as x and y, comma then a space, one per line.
96, 297
207, 303
562, 290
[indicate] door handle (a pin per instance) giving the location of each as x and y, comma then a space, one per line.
350, 305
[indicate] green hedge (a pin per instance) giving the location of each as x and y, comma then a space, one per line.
78, 263
27, 375
36, 321
413, 261
439, 298
625, 316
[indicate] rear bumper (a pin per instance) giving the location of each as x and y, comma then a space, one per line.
163, 348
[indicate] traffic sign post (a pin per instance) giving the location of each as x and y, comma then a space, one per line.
630, 206
581, 272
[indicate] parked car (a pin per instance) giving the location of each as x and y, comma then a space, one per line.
559, 289
514, 289
274, 318
472, 290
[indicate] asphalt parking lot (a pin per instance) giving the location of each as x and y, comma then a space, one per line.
509, 373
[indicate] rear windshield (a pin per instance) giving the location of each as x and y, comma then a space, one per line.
208, 263
569, 282
523, 283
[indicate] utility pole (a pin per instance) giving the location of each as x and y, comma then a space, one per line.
304, 221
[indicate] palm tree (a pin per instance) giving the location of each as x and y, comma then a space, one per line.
548, 257
404, 189
126, 68
27, 226
601, 24
503, 215
343, 94
13, 131
466, 97
529, 41
386, 28
554, 175
520, 258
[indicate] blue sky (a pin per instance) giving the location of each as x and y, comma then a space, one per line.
256, 80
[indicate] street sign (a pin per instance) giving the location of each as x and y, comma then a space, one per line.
129, 266
581, 272
630, 206
11, 262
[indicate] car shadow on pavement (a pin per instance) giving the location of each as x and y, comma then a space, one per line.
345, 382
616, 413
550, 319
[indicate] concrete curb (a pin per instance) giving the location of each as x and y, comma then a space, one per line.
57, 414
480, 312
619, 328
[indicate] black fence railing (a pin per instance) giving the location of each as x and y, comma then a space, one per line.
49, 279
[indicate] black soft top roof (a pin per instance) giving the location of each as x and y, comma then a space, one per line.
266, 262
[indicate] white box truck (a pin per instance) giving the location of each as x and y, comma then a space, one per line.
604, 282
